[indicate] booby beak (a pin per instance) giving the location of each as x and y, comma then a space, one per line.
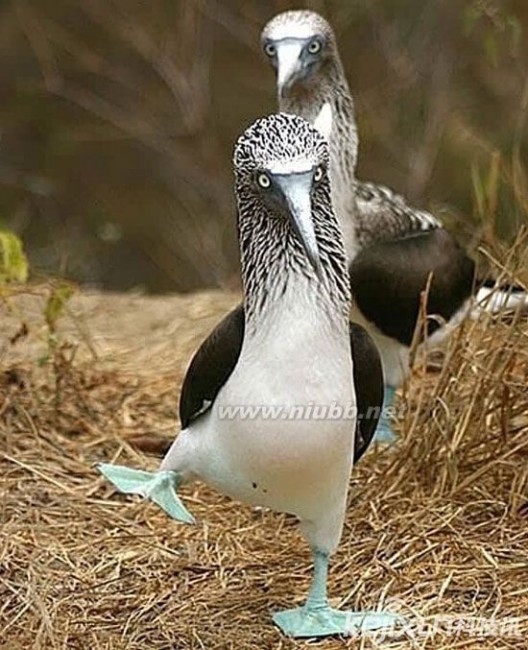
289, 64
296, 190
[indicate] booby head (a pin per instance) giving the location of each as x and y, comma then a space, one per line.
298, 44
281, 175
287, 229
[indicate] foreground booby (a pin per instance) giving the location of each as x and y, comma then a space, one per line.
291, 351
392, 248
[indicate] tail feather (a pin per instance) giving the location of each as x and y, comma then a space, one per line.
159, 487
494, 298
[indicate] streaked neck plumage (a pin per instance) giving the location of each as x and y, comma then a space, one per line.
307, 99
275, 265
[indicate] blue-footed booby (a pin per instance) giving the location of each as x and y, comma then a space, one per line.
392, 247
288, 347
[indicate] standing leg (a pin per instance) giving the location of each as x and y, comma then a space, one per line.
316, 618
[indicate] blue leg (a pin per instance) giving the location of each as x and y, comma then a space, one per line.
316, 618
159, 487
384, 432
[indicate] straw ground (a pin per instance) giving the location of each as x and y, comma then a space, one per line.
436, 529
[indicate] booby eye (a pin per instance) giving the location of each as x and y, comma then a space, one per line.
318, 174
270, 49
264, 181
315, 46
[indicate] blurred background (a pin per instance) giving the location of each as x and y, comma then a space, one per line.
118, 118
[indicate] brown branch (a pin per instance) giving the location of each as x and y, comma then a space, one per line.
181, 85
38, 42
149, 137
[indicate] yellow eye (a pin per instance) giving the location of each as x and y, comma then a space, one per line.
270, 49
314, 47
318, 174
264, 181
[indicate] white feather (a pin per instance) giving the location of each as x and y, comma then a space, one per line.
298, 166
291, 29
301, 466
494, 300
323, 121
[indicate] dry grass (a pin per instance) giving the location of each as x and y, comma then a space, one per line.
439, 527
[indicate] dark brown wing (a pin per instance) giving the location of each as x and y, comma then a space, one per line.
382, 214
211, 366
387, 278
368, 382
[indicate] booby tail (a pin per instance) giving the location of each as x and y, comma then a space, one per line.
494, 298
159, 487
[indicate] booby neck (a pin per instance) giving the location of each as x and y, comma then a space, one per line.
326, 98
308, 99
274, 266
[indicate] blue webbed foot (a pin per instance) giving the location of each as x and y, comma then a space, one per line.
316, 618
159, 487
384, 432
326, 621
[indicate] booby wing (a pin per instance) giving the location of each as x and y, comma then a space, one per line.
218, 355
400, 248
388, 277
368, 382
383, 214
211, 366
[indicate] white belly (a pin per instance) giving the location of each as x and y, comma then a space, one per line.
278, 446
293, 450
276, 461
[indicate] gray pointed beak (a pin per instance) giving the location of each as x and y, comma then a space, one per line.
289, 64
296, 190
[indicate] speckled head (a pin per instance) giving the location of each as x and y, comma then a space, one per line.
279, 144
286, 223
298, 44
311, 82
280, 164
300, 23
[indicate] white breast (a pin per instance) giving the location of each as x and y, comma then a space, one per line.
296, 359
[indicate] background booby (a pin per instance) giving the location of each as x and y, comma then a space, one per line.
393, 248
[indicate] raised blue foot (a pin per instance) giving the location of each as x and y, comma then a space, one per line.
325, 621
384, 432
159, 487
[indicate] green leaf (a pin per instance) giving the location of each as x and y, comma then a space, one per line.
56, 304
13, 261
